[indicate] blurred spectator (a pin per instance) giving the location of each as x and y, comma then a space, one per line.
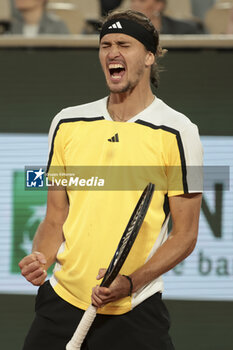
230, 23
92, 25
200, 7
31, 19
165, 25
5, 16
218, 18
109, 5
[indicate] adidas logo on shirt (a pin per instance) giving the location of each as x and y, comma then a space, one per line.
115, 138
115, 25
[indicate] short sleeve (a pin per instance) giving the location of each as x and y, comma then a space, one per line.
185, 169
56, 161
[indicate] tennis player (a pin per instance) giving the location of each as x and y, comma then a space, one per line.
81, 230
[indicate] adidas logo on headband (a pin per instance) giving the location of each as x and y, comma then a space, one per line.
132, 28
115, 25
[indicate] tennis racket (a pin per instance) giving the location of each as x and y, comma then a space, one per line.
116, 263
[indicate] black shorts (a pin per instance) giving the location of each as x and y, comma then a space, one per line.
144, 328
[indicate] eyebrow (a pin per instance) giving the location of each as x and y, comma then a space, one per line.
106, 42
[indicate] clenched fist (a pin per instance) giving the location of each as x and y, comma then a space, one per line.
32, 268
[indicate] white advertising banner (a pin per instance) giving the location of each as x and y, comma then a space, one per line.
205, 275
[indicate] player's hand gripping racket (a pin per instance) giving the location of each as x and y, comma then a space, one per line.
115, 265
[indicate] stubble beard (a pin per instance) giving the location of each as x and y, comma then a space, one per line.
130, 85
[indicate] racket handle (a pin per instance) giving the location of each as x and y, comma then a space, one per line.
82, 329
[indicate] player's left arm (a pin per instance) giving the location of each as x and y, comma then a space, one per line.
184, 209
185, 212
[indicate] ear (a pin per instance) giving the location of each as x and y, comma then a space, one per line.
150, 59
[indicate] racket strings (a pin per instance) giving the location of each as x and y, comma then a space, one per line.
126, 238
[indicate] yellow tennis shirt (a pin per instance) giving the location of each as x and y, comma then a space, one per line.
118, 159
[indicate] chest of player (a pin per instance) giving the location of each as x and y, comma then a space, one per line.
107, 143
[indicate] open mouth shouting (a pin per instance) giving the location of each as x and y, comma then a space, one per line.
116, 71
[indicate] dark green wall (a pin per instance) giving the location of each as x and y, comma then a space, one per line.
36, 84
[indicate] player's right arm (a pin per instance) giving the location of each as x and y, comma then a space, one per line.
47, 240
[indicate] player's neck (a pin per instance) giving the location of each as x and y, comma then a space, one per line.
124, 106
